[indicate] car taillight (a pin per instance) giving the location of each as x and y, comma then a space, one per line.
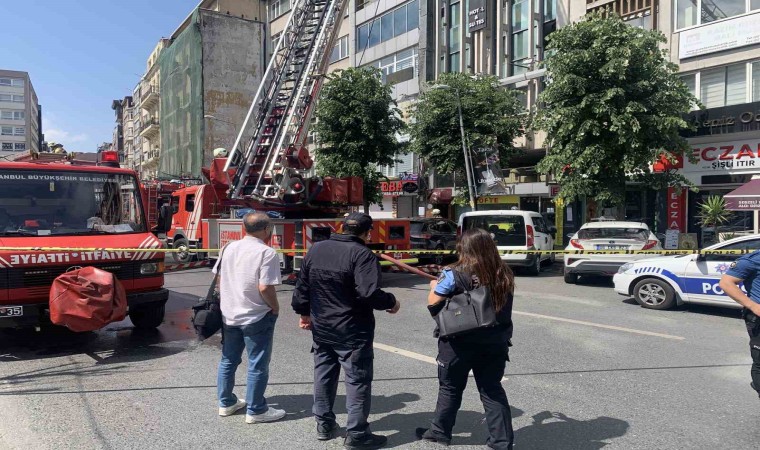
531, 236
650, 245
576, 243
426, 236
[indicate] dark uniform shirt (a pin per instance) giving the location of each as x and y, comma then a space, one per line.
747, 268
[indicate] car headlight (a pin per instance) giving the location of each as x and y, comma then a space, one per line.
625, 267
151, 268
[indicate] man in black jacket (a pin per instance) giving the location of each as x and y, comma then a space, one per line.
337, 290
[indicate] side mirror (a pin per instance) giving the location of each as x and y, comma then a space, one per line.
553, 231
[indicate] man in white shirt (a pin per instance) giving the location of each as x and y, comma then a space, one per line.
248, 271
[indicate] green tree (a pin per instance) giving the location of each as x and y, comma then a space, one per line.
357, 125
613, 106
491, 115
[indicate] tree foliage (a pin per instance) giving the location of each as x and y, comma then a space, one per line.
613, 106
491, 115
357, 125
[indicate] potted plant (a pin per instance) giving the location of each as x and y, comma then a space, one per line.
712, 214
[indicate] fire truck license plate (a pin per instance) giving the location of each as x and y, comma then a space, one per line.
11, 311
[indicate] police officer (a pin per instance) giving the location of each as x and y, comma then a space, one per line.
747, 270
337, 292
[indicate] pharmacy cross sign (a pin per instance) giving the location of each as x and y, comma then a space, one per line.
476, 16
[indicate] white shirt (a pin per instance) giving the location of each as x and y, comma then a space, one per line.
246, 264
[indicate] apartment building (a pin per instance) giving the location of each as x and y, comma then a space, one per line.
20, 114
715, 44
196, 88
384, 34
123, 132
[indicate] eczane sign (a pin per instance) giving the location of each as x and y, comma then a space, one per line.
717, 37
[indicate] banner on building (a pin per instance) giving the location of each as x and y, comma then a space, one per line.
487, 172
676, 211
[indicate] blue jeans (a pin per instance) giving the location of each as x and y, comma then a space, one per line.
257, 339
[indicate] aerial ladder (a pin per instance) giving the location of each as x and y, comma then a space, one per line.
269, 161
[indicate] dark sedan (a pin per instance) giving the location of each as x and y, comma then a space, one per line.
433, 234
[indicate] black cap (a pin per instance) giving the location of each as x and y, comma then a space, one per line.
359, 222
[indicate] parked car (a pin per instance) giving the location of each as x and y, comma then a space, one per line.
667, 281
515, 230
607, 235
433, 234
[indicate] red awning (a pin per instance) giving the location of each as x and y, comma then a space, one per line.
744, 198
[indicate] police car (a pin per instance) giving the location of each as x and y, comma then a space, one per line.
665, 281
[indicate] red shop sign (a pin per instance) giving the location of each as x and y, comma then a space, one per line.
676, 209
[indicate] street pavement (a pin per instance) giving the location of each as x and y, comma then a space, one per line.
589, 369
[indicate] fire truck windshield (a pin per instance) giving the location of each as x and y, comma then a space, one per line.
38, 203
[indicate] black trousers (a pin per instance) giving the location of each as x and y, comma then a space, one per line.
753, 329
357, 364
487, 362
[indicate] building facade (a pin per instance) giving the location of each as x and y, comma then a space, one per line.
123, 132
20, 114
383, 34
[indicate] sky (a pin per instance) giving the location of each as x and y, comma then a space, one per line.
83, 54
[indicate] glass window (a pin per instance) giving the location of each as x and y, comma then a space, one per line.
6, 115
644, 22
6, 98
412, 15
454, 34
686, 13
5, 82
362, 36
756, 80
715, 10
520, 45
386, 27
550, 10
6, 131
360, 4
18, 98
7, 146
736, 84
19, 146
690, 81
19, 131
17, 82
374, 33
520, 15
340, 50
713, 87
85, 203
399, 21
454, 62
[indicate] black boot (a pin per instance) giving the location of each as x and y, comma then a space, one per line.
426, 435
367, 441
327, 431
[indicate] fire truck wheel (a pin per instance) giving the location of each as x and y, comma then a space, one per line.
147, 317
181, 257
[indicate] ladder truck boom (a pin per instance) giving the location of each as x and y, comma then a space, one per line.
269, 161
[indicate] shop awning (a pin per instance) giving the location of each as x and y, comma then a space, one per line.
744, 198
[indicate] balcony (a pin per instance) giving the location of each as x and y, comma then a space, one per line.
150, 97
149, 129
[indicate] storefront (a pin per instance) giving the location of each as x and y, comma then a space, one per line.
726, 146
400, 199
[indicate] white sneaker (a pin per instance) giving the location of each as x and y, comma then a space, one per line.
271, 415
230, 410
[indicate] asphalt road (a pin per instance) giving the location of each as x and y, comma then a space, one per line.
589, 369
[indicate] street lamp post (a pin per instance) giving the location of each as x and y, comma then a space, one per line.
467, 165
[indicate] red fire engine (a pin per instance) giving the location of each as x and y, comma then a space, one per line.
54, 201
269, 166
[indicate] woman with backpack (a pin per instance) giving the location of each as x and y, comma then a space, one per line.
479, 273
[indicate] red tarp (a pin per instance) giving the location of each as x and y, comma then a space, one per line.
87, 299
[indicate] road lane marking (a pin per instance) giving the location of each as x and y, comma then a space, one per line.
407, 353
599, 325
413, 355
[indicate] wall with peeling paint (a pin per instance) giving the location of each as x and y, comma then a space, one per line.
233, 65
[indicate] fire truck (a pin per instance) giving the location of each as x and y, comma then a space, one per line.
72, 210
269, 167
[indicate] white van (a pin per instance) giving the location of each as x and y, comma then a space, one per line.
515, 230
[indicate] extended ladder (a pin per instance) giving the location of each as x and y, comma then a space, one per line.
267, 157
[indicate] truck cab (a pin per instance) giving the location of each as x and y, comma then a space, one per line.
60, 216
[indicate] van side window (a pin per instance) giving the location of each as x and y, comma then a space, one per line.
540, 225
190, 202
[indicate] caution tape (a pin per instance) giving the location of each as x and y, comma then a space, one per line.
390, 252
